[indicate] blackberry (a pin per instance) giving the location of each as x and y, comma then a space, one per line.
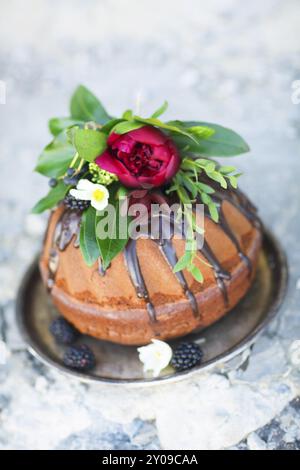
75, 204
63, 331
52, 182
79, 357
70, 171
70, 180
186, 356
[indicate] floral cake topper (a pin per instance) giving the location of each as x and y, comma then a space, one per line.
96, 159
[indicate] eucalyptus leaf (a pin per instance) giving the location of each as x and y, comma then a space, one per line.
56, 157
54, 196
86, 107
57, 125
89, 143
87, 239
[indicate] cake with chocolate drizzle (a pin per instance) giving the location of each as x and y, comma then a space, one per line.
130, 291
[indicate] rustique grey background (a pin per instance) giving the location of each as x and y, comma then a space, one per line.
224, 61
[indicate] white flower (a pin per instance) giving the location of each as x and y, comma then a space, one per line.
294, 353
88, 191
155, 356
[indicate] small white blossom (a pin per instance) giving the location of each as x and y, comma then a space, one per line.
294, 353
88, 191
155, 356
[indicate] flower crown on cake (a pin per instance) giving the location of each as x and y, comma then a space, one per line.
95, 159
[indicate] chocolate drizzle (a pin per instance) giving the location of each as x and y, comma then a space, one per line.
227, 230
68, 228
220, 274
136, 276
240, 201
170, 255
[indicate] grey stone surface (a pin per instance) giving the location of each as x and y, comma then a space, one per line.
222, 61
281, 433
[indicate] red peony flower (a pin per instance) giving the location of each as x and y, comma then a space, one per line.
142, 158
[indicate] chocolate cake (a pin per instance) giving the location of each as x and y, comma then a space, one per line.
138, 297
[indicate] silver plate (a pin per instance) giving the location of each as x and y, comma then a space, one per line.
116, 364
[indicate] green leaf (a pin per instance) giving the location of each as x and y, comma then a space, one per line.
188, 164
183, 195
56, 157
57, 125
160, 110
111, 246
233, 181
190, 185
126, 126
205, 188
87, 239
86, 107
128, 114
205, 163
183, 262
89, 143
54, 196
203, 132
110, 124
169, 127
225, 170
196, 273
210, 167
206, 199
121, 192
215, 176
223, 143
213, 210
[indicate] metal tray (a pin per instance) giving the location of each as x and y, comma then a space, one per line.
117, 364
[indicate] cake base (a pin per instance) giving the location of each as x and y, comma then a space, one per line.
117, 364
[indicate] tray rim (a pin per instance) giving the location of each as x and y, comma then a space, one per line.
224, 357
